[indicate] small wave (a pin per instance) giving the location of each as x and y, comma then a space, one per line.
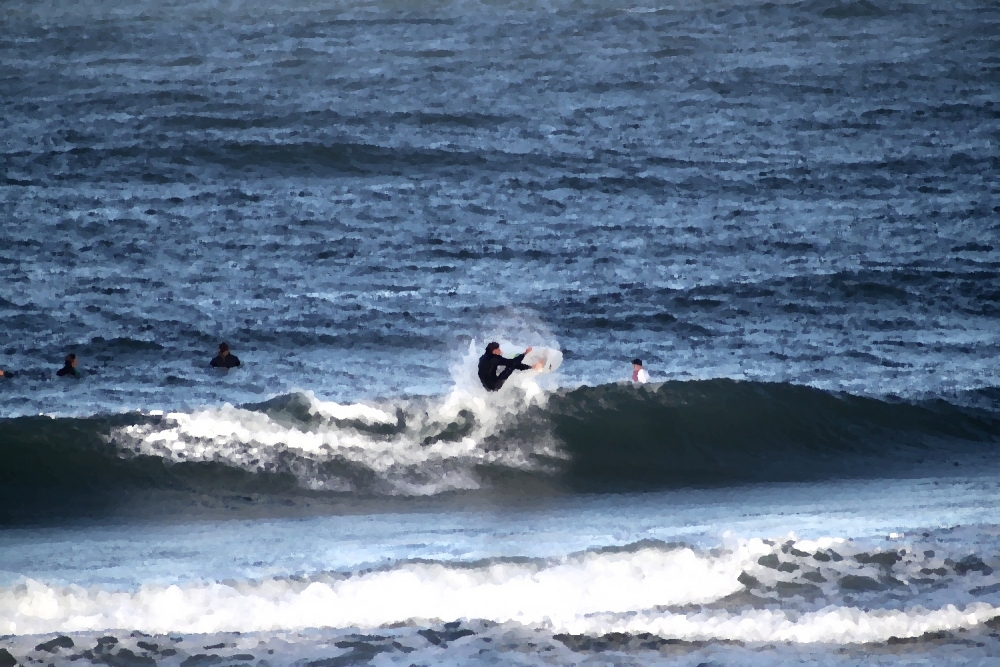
671, 591
859, 9
531, 592
837, 625
99, 345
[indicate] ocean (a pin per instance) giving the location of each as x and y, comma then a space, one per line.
789, 211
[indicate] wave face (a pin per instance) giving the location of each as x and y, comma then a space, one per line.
609, 437
723, 430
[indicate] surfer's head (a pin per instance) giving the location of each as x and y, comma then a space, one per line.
493, 348
223, 349
637, 363
71, 360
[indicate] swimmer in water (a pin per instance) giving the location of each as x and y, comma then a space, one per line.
493, 359
224, 359
639, 374
69, 368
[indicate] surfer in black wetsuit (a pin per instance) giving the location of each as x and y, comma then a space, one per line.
224, 359
69, 368
491, 362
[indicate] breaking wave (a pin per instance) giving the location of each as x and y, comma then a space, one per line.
609, 437
733, 592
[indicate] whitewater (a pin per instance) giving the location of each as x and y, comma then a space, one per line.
787, 210
303, 530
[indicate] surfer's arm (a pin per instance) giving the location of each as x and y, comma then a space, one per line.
523, 367
516, 363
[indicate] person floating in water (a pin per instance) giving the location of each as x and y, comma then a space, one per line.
224, 359
639, 373
493, 359
69, 367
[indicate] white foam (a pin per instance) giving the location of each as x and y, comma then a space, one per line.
350, 412
413, 461
818, 544
556, 594
832, 625
595, 593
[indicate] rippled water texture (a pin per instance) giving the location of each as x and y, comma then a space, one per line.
348, 193
790, 211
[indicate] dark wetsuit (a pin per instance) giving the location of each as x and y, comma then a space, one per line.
67, 370
228, 361
489, 363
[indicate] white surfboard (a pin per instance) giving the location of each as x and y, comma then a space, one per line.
551, 356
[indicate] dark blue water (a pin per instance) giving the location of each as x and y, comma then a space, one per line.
349, 194
789, 211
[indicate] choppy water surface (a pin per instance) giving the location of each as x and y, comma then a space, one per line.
347, 193
790, 211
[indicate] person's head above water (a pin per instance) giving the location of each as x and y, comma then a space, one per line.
493, 348
69, 367
639, 373
224, 359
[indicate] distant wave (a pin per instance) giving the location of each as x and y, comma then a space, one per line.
609, 437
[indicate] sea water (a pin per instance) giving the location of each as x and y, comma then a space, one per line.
789, 211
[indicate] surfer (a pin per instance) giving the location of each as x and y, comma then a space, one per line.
224, 359
639, 373
69, 367
493, 359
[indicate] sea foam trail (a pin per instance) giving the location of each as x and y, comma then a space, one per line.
834, 625
644, 588
530, 593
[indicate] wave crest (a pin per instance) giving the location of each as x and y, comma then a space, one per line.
416, 447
